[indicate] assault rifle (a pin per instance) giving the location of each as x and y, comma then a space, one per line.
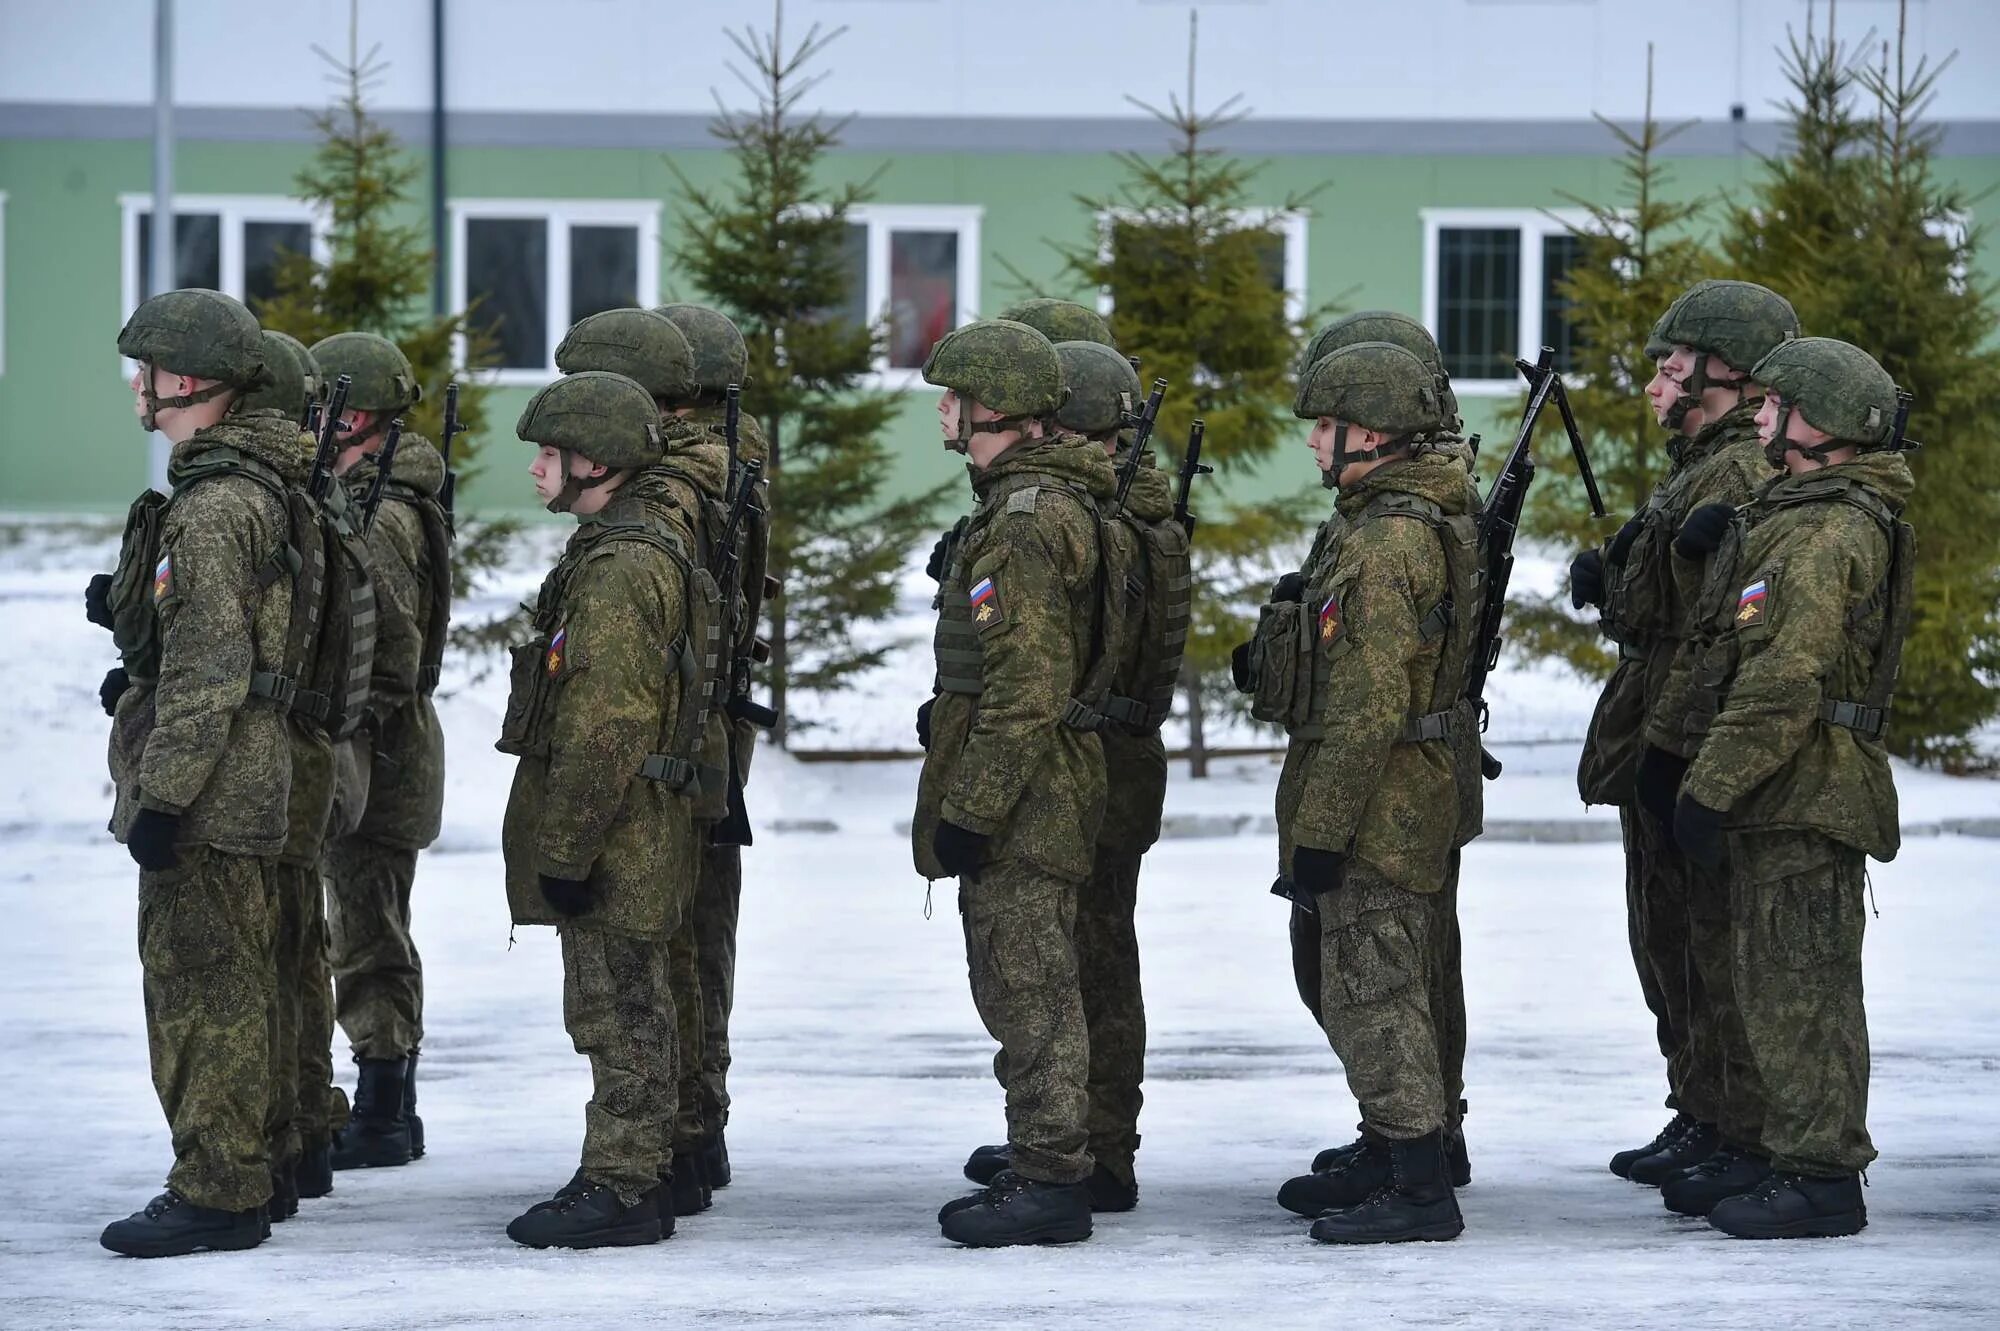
1191, 467
1142, 433
385, 462
320, 479
1500, 521
1898, 442
447, 492
724, 566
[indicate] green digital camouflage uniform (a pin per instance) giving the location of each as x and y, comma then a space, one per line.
391, 796
1677, 913
1354, 785
592, 699
191, 737
1788, 625
1002, 765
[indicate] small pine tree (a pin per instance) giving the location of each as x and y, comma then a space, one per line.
769, 251
1190, 275
1853, 225
1635, 256
376, 279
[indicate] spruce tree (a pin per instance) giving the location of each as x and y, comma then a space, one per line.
1853, 224
1188, 268
769, 250
1635, 255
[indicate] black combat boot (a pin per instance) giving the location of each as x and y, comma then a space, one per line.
690, 1194
1677, 1127
1353, 1176
1110, 1191
312, 1172
590, 1217
662, 1195
410, 1108
1700, 1141
376, 1134
1732, 1170
1015, 1210
173, 1226
284, 1201
986, 1162
1794, 1206
1416, 1203
1457, 1160
715, 1160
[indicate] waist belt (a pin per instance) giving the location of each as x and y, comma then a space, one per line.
681, 775
311, 705
1433, 725
1114, 710
1863, 720
273, 687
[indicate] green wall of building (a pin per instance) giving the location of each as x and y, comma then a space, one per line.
71, 443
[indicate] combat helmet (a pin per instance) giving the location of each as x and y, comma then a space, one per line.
642, 345
1004, 366
1737, 322
720, 356
380, 379
1060, 320
198, 333
1839, 389
1376, 385
1396, 329
315, 382
1103, 388
607, 418
285, 390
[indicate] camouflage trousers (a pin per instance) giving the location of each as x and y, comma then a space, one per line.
1678, 922
1020, 950
1114, 1009
701, 958
618, 1007
1444, 979
301, 1015
322, 1104
378, 976
1796, 903
206, 950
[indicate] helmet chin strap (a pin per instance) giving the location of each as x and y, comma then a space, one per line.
574, 486
1696, 386
1342, 456
961, 442
149, 418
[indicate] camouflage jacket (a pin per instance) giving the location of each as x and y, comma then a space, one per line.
1351, 782
189, 737
1789, 620
593, 697
1135, 766
753, 563
1648, 599
403, 744
1017, 610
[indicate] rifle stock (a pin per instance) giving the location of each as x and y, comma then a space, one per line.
384, 465
320, 479
1191, 467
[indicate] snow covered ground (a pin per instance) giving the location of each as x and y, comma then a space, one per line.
862, 1078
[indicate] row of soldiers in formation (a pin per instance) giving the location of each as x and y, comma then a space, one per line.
1759, 599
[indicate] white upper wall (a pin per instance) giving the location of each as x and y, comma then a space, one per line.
1292, 59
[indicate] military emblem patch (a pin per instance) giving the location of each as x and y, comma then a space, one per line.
163, 578
1750, 605
1329, 619
985, 600
557, 646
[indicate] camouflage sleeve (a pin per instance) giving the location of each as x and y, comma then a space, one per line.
1374, 636
395, 564
1791, 626
1030, 665
621, 614
216, 539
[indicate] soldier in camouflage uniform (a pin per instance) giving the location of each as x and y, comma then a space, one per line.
1104, 393
201, 613
389, 799
1362, 1165
1677, 914
1010, 798
1782, 699
1366, 669
599, 837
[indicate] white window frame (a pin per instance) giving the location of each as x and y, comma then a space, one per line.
1534, 224
559, 215
1291, 224
883, 218
233, 211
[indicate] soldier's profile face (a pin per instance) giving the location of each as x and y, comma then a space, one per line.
948, 410
1320, 441
1670, 375
548, 472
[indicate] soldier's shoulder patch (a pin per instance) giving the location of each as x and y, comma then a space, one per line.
558, 652
984, 597
1752, 604
1329, 618
163, 577
1023, 500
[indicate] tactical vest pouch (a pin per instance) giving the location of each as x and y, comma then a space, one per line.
693, 761
1163, 643
1868, 716
135, 624
1281, 665
960, 658
528, 677
437, 563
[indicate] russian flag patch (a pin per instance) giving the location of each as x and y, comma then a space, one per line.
163, 578
985, 601
557, 645
1329, 619
1750, 605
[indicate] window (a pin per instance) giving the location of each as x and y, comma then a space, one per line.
537, 266
916, 267
1284, 257
1492, 290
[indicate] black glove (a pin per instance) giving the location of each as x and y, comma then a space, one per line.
958, 849
924, 724
152, 840
1659, 783
1317, 871
1586, 580
1698, 832
1703, 530
568, 896
1621, 544
97, 600
934, 566
116, 681
1290, 587
1239, 668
